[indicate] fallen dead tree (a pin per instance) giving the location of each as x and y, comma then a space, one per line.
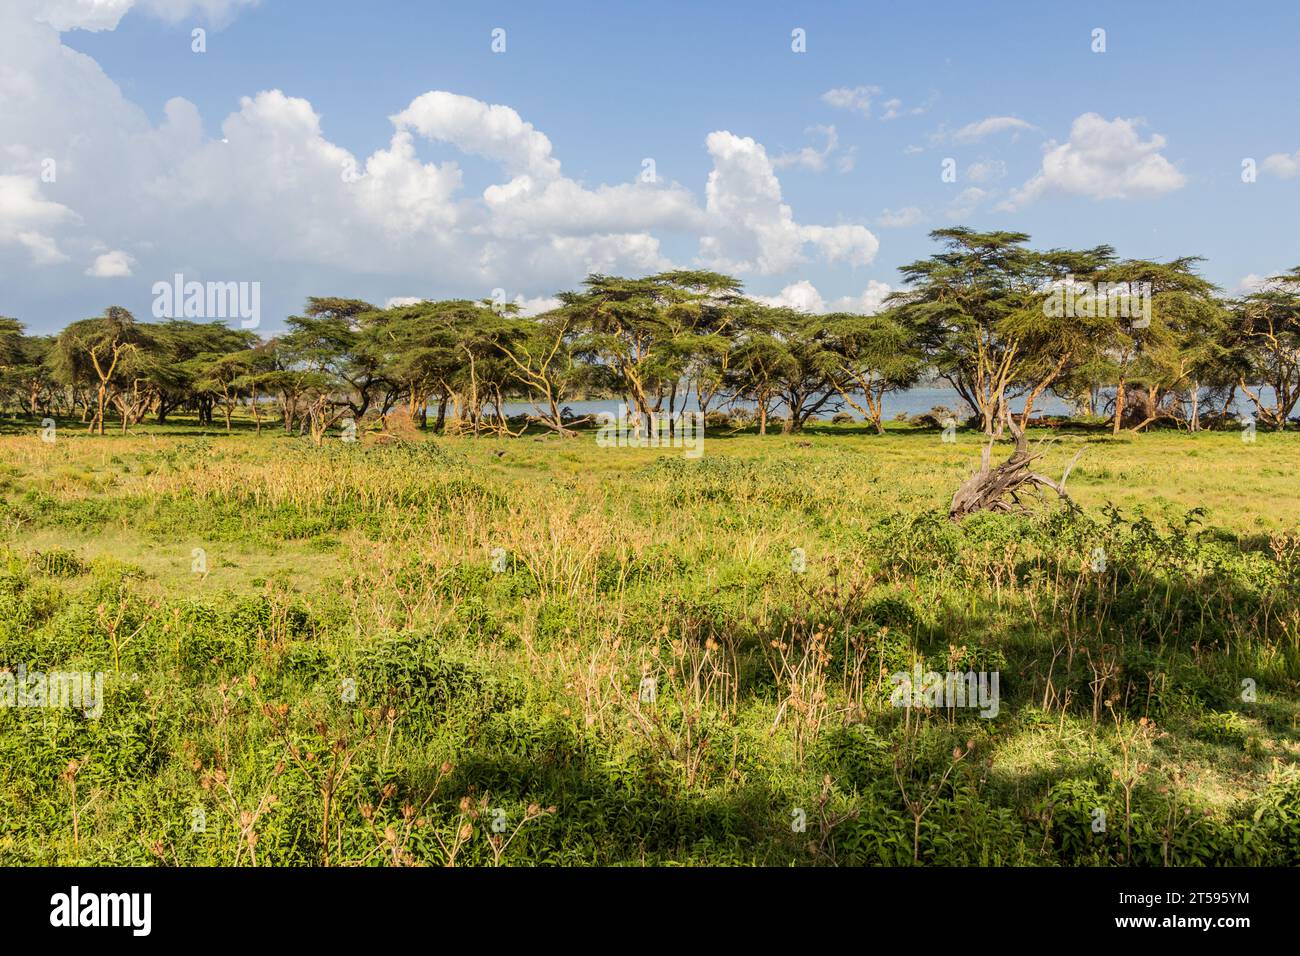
1005, 487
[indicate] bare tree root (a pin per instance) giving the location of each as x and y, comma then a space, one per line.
1004, 488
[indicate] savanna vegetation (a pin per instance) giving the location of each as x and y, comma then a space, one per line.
1141, 344
466, 638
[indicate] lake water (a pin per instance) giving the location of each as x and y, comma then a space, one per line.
915, 401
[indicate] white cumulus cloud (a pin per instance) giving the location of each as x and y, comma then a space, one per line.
751, 229
989, 126
1283, 165
804, 297
95, 15
27, 219
1103, 159
897, 218
272, 195
986, 170
111, 265
809, 157
858, 99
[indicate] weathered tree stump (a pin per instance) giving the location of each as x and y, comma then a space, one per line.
1003, 488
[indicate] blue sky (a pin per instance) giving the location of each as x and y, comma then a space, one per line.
1140, 146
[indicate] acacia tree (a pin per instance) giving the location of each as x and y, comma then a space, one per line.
445, 349
489, 374
710, 363
806, 378
622, 326
702, 309
716, 309
29, 374
873, 355
540, 352
90, 352
645, 330
229, 377
416, 353
980, 309
1267, 332
1052, 343
957, 299
760, 361
977, 313
14, 357
1185, 354
1141, 353
331, 338
136, 383
172, 371
256, 362
322, 408
288, 387
11, 337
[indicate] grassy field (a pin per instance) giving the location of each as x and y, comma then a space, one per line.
522, 651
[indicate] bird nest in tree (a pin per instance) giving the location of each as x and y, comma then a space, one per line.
1011, 485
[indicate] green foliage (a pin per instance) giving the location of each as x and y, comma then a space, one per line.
353, 651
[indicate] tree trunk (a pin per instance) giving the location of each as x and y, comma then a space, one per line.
1000, 488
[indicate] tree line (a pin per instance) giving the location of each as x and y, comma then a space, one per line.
1002, 323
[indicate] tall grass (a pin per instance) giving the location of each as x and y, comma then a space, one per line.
565, 654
